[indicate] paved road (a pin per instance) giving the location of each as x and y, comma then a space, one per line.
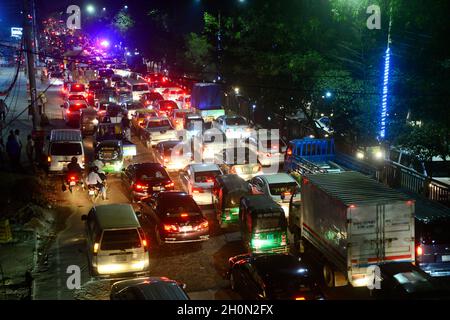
200, 265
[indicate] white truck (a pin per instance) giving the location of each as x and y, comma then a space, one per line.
348, 222
159, 129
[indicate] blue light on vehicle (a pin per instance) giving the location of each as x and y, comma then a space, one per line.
385, 93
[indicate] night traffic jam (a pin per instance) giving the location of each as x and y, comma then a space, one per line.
227, 150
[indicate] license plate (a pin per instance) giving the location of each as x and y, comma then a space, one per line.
186, 228
72, 183
121, 258
445, 258
91, 192
156, 188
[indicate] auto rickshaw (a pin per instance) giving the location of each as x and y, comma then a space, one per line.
88, 121
263, 225
227, 192
110, 153
114, 131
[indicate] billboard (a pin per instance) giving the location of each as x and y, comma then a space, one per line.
16, 32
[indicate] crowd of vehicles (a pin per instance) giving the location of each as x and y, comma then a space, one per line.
312, 204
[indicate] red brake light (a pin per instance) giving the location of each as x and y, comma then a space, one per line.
72, 178
289, 152
184, 215
170, 228
419, 250
144, 243
197, 190
169, 185
300, 298
139, 187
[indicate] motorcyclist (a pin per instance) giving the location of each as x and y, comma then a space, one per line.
95, 179
74, 166
126, 125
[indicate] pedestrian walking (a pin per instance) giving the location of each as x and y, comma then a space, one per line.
30, 150
17, 136
13, 150
3, 110
2, 152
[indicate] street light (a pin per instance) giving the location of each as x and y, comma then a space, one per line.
328, 94
125, 7
104, 9
90, 9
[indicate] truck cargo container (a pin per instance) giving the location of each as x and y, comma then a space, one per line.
350, 222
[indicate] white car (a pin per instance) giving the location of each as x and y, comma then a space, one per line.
324, 123
173, 155
270, 151
158, 129
198, 179
280, 187
239, 160
234, 127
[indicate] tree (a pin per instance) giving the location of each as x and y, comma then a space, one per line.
123, 21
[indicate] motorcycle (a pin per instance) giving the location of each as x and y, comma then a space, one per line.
73, 180
94, 190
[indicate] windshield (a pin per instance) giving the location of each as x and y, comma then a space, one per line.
179, 205
165, 105
149, 175
159, 123
277, 189
120, 239
236, 121
193, 124
66, 149
269, 221
105, 73
206, 176
240, 156
140, 87
436, 233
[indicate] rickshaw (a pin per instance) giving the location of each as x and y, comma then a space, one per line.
114, 131
227, 192
110, 153
88, 121
263, 225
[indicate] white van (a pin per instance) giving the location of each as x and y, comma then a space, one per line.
138, 89
63, 145
116, 243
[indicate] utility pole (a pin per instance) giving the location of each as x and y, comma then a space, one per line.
27, 23
35, 33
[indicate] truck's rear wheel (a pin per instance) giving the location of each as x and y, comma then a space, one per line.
328, 276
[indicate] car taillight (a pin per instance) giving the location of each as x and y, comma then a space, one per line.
170, 228
283, 240
72, 178
140, 187
49, 159
184, 215
197, 190
204, 225
419, 250
96, 247
300, 298
289, 152
169, 185
68, 111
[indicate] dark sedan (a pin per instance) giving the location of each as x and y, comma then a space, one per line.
142, 180
178, 217
405, 281
272, 277
148, 288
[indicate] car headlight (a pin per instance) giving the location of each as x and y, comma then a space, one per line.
360, 155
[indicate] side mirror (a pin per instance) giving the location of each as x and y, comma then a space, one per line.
83, 217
